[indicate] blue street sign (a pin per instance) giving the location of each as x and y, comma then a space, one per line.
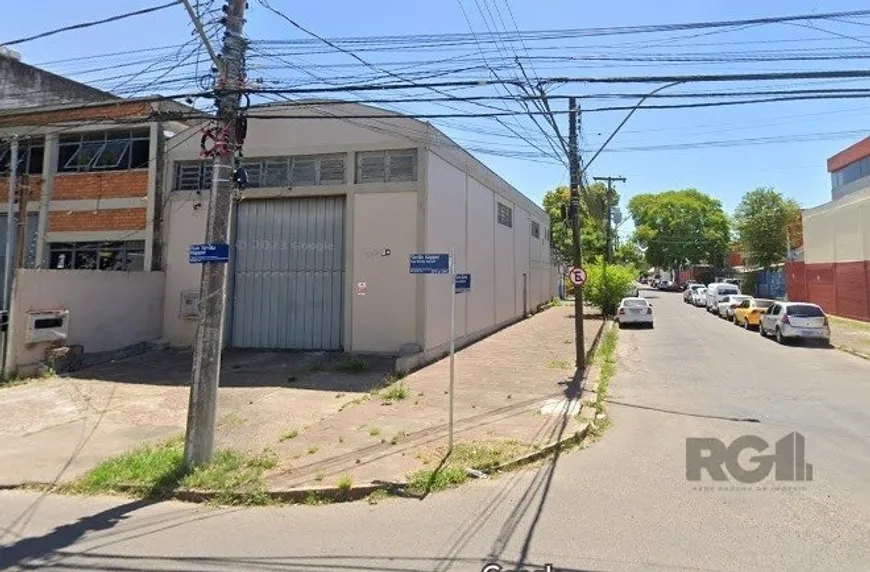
463, 283
430, 263
204, 253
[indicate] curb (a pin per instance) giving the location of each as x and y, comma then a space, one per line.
856, 353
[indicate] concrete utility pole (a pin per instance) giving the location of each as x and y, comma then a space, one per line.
608, 254
574, 214
202, 410
8, 267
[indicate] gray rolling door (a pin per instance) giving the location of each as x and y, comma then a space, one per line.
288, 290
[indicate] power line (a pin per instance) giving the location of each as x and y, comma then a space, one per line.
92, 23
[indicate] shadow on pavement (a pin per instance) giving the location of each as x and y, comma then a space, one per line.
684, 413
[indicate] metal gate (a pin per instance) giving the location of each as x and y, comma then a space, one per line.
288, 272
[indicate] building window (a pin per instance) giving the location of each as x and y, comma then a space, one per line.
30, 154
103, 151
394, 166
505, 215
536, 230
128, 255
851, 173
267, 172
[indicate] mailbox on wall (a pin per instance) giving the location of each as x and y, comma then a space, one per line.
47, 326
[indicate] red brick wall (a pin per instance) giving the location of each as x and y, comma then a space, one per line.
849, 155
841, 288
103, 219
796, 281
108, 111
33, 182
109, 185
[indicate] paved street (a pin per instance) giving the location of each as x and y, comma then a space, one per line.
622, 504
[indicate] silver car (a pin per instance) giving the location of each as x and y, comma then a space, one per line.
795, 320
726, 307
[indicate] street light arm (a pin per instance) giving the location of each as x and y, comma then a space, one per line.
627, 117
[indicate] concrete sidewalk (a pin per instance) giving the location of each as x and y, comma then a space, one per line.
511, 390
851, 335
321, 413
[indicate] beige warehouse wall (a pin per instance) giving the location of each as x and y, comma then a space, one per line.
481, 246
838, 231
107, 310
522, 260
185, 226
446, 228
385, 318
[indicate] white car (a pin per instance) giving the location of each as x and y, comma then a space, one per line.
699, 297
795, 320
726, 307
635, 310
716, 292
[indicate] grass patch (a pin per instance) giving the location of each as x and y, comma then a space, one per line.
319, 476
155, 471
374, 431
558, 364
312, 450
353, 365
864, 327
397, 437
292, 434
356, 401
395, 392
426, 480
607, 354
377, 496
314, 499
231, 421
344, 483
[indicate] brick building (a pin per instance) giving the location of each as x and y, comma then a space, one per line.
835, 270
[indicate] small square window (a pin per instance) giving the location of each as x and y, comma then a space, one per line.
505, 215
536, 229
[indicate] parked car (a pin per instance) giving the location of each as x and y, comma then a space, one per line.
635, 310
748, 313
726, 307
716, 292
795, 320
689, 292
699, 297
664, 284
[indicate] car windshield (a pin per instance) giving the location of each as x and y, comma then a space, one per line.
737, 299
764, 304
727, 291
702, 290
635, 302
805, 311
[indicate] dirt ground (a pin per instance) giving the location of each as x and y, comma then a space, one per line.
322, 413
851, 334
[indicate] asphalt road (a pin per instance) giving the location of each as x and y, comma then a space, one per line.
622, 504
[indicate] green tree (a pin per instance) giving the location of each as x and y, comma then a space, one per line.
628, 254
763, 218
593, 213
607, 284
680, 227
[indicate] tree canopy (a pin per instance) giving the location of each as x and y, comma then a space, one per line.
766, 222
593, 216
680, 227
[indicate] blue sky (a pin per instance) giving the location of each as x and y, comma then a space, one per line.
797, 168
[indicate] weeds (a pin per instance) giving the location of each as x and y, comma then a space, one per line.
397, 437
374, 431
319, 476
558, 364
344, 483
292, 434
312, 450
395, 392
377, 496
353, 365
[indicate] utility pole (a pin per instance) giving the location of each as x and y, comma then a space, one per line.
20, 246
574, 215
608, 254
8, 268
202, 409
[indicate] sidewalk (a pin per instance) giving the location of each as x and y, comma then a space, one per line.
510, 393
850, 335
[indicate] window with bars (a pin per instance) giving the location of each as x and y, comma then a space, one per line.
505, 215
30, 155
393, 166
123, 256
297, 171
103, 151
536, 230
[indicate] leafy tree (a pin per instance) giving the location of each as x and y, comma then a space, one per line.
607, 284
628, 254
593, 218
764, 219
680, 227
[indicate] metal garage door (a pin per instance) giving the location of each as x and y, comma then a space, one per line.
288, 289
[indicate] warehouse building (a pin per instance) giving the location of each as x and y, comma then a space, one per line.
835, 270
335, 207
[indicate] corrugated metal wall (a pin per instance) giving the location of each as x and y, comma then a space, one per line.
289, 265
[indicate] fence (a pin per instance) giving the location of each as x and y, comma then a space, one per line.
770, 283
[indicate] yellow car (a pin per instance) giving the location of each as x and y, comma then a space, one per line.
748, 313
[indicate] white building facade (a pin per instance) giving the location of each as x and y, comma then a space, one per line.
322, 236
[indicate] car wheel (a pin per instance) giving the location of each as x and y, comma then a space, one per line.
780, 339
651, 326
761, 330
621, 325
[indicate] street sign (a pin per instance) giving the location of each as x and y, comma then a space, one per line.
463, 283
430, 263
577, 276
205, 253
